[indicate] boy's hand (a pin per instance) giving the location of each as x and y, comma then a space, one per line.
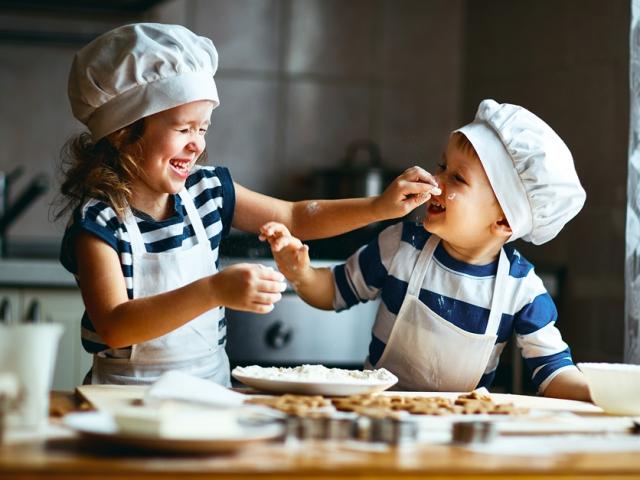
290, 254
408, 191
249, 287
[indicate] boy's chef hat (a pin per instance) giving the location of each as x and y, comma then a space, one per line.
529, 167
137, 70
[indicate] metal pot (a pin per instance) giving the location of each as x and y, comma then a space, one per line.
360, 173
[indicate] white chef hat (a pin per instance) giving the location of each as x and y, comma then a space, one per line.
137, 70
529, 167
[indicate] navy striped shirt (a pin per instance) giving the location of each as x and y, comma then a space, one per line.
214, 197
460, 293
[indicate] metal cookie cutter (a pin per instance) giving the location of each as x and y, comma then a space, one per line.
473, 432
323, 426
392, 430
342, 426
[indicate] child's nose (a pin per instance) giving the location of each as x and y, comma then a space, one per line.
196, 144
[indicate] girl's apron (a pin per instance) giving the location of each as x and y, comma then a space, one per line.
193, 347
428, 353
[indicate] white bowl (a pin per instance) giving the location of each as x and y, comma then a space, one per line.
614, 387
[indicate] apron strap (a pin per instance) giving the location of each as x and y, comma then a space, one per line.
495, 315
420, 269
135, 237
194, 218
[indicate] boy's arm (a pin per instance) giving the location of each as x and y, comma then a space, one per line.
312, 219
569, 384
544, 350
313, 285
316, 288
343, 286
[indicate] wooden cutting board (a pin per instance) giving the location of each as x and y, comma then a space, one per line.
544, 403
590, 418
522, 401
107, 397
111, 397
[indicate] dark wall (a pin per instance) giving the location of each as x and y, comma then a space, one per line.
568, 62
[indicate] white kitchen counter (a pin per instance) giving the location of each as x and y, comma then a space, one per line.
18, 272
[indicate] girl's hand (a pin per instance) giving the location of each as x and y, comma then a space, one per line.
249, 287
408, 191
290, 254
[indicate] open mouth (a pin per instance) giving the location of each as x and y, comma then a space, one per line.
181, 167
436, 207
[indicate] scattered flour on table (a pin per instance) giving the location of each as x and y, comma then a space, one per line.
315, 373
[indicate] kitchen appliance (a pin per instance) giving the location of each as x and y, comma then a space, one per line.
10, 211
360, 173
294, 333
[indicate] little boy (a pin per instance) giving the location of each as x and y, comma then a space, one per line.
452, 289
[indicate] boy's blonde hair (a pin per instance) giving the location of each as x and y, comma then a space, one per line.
462, 142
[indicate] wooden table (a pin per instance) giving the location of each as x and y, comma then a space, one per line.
70, 458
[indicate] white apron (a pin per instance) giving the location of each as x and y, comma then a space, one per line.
428, 353
193, 347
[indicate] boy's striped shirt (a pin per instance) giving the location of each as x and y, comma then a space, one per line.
460, 293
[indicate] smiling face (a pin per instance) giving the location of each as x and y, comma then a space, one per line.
172, 142
467, 214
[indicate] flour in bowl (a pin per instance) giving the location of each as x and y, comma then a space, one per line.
316, 374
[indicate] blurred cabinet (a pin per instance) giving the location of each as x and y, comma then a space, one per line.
63, 306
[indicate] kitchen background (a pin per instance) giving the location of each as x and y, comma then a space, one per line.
300, 79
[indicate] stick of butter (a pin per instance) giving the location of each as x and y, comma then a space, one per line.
179, 421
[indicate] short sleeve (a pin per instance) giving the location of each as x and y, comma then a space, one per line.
95, 217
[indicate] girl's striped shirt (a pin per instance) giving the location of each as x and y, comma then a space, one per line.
214, 197
460, 293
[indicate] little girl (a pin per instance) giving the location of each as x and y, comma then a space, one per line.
147, 221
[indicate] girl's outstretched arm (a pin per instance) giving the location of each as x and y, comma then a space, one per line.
121, 322
312, 219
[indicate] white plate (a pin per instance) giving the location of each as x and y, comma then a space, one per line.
100, 426
329, 389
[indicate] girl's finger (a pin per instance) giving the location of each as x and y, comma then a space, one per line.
419, 174
260, 308
421, 193
418, 200
271, 287
268, 273
266, 298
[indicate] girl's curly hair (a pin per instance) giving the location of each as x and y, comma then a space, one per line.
103, 170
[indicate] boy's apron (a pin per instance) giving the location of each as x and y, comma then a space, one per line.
193, 347
428, 353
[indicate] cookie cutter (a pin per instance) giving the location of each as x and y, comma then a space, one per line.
473, 432
388, 430
323, 427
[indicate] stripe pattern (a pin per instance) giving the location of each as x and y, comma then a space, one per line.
214, 197
460, 293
